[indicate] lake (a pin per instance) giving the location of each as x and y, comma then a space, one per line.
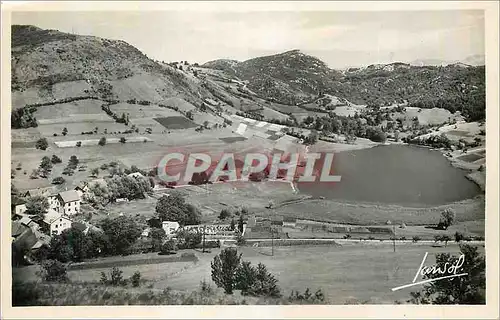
394, 174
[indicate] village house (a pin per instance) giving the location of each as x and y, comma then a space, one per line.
69, 202
49, 193
136, 175
170, 227
82, 189
20, 209
54, 223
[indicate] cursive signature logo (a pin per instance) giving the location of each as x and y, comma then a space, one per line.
448, 270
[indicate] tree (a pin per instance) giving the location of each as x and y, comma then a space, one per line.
459, 237
189, 115
188, 239
445, 238
224, 213
102, 141
94, 172
37, 206
45, 166
256, 281
469, 289
447, 218
224, 268
42, 144
71, 245
232, 226
240, 224
65, 131
157, 235
121, 232
58, 180
73, 161
34, 174
123, 140
311, 139
55, 159
173, 207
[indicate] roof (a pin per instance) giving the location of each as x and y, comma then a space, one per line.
45, 192
25, 220
80, 226
70, 195
53, 215
17, 228
136, 174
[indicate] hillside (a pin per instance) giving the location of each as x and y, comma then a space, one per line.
291, 77
295, 78
49, 65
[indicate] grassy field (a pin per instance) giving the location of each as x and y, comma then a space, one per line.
366, 214
341, 272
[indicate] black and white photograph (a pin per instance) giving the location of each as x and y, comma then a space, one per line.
215, 156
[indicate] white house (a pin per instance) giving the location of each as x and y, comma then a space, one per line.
136, 175
70, 202
55, 222
170, 227
20, 209
54, 202
82, 189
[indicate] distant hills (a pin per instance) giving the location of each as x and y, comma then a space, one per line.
474, 60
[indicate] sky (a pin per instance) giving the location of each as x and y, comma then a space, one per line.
341, 39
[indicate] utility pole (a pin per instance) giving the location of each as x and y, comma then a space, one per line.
204, 226
272, 241
394, 237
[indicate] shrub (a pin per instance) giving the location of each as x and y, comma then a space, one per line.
136, 279
58, 180
55, 159
168, 247
115, 277
55, 271
42, 144
416, 238
79, 144
205, 287
307, 297
123, 140
102, 141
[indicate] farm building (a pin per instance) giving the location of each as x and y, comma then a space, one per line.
55, 223
289, 222
82, 189
136, 175
170, 227
69, 202
20, 209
